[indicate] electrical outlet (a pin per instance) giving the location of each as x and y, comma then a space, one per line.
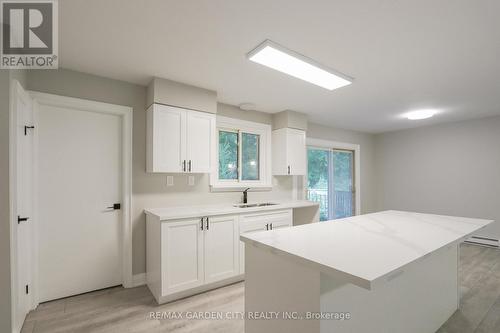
191, 180
170, 180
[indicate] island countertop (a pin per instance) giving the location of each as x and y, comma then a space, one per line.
181, 212
367, 249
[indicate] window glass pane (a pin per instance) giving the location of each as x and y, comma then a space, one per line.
317, 179
342, 183
250, 156
228, 155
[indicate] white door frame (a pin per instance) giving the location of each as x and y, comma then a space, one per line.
327, 144
16, 90
125, 113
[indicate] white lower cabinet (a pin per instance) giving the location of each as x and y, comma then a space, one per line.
198, 251
262, 221
221, 248
189, 256
182, 256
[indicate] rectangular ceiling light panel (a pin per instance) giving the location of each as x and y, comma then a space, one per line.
289, 62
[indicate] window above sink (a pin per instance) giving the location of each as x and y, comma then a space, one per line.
242, 156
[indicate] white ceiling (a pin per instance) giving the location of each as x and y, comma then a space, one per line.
403, 55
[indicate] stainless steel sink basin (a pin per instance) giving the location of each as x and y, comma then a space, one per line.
249, 205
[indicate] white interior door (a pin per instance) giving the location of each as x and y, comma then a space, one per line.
79, 176
24, 203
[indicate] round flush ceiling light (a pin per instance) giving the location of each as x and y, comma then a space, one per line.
247, 106
420, 114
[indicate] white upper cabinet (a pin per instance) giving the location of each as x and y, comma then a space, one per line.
179, 140
200, 141
165, 139
289, 152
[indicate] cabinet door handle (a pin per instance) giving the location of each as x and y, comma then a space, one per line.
288, 169
189, 163
201, 224
208, 224
184, 166
271, 225
267, 226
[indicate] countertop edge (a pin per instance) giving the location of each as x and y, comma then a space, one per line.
356, 280
212, 211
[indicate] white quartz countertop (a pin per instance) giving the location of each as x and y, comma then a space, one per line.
367, 249
181, 212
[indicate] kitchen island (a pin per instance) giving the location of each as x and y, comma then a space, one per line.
390, 271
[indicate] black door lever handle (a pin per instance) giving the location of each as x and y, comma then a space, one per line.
26, 128
21, 219
115, 206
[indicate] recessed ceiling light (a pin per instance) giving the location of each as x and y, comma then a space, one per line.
420, 114
292, 63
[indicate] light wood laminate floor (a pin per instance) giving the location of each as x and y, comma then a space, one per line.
128, 310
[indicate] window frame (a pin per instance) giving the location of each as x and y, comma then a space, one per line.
335, 145
243, 126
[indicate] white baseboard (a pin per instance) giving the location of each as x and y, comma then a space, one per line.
139, 280
484, 241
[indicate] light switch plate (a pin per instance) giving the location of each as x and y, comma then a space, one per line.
170, 180
191, 180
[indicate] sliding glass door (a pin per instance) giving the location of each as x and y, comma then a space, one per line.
331, 181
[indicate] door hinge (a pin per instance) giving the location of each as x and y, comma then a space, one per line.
26, 129
27, 289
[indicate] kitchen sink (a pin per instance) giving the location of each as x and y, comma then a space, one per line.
249, 205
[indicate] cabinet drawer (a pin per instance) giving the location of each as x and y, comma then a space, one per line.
260, 222
264, 216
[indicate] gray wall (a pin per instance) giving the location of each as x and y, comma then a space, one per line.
6, 78
169, 92
231, 111
450, 169
366, 142
149, 190
290, 119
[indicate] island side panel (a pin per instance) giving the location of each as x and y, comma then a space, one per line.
277, 284
419, 298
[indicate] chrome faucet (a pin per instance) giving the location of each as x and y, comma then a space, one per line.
245, 196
